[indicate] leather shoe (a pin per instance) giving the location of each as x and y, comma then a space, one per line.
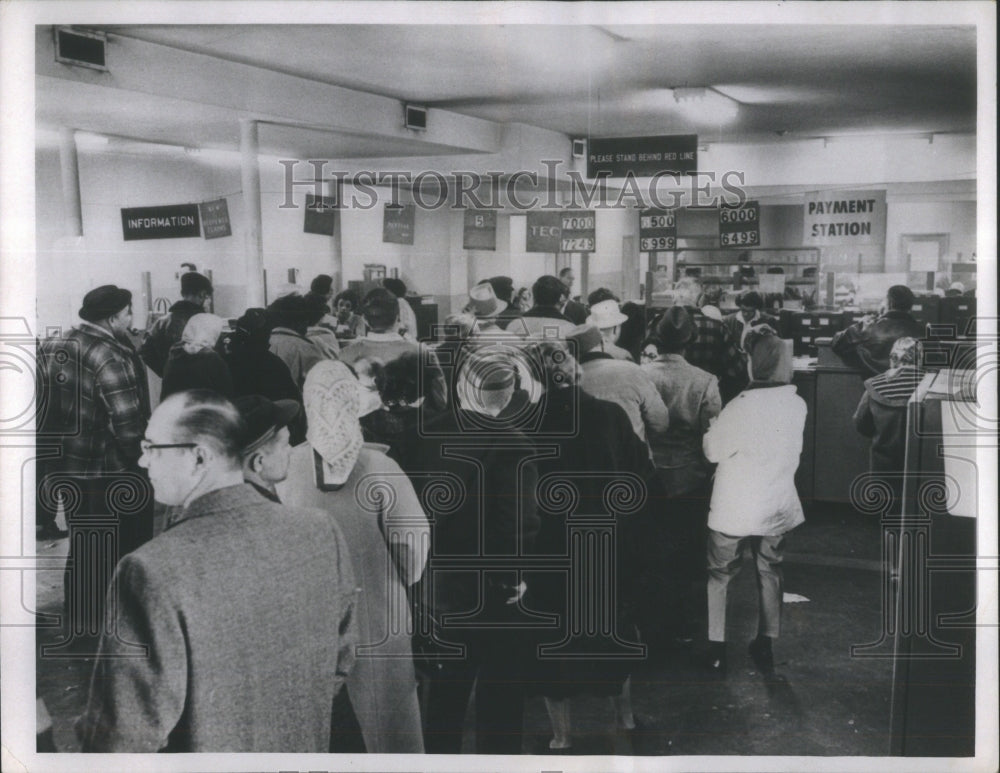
762, 656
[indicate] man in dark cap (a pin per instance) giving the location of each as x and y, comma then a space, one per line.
267, 452
693, 402
867, 343
96, 398
196, 289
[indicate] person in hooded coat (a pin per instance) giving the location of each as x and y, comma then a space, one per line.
372, 501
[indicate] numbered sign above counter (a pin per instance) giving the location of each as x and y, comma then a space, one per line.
397, 223
479, 231
657, 230
570, 230
739, 226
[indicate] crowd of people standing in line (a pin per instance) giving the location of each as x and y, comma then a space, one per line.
341, 505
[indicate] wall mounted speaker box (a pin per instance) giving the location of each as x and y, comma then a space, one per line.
84, 49
415, 117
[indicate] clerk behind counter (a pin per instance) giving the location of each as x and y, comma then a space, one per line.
867, 343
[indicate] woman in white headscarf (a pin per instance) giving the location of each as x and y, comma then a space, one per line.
375, 506
193, 362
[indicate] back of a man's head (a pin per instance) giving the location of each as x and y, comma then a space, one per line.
380, 309
322, 285
599, 295
548, 290
395, 286
900, 298
503, 287
205, 416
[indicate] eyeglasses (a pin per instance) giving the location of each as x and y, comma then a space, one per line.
147, 445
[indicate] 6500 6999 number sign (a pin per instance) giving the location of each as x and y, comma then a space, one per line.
657, 230
740, 226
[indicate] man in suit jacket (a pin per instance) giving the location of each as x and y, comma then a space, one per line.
575, 311
231, 665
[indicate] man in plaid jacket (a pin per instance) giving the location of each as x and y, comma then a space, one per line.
96, 401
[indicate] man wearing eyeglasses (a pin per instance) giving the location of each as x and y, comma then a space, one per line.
245, 606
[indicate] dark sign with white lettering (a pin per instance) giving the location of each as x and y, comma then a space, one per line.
321, 215
479, 230
740, 226
643, 156
397, 223
172, 222
571, 230
657, 230
215, 219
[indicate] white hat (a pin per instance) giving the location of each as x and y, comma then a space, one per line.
606, 314
957, 286
483, 301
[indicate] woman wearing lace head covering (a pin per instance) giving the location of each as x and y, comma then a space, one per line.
372, 501
193, 362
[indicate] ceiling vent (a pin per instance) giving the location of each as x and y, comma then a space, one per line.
84, 49
415, 117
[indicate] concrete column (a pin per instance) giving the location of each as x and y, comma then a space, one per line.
254, 244
70, 172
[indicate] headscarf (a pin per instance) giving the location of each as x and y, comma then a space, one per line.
770, 356
332, 398
201, 332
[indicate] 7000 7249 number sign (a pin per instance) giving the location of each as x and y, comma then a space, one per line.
657, 230
740, 226
578, 231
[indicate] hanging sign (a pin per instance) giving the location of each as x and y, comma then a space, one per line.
657, 230
569, 230
321, 214
215, 219
176, 221
397, 223
479, 231
643, 156
844, 217
739, 226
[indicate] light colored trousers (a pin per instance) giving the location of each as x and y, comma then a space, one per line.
725, 557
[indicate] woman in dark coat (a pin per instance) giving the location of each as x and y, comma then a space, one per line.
193, 363
602, 471
256, 370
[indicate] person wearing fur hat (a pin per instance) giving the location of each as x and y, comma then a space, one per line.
756, 442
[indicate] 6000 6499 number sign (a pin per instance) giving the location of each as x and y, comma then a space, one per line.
740, 226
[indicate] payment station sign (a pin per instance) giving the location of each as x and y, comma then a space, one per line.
571, 230
657, 230
643, 156
740, 226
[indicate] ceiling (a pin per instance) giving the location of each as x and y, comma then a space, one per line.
590, 81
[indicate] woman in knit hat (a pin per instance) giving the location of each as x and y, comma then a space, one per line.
373, 503
756, 442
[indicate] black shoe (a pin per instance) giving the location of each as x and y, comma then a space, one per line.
51, 532
715, 659
762, 656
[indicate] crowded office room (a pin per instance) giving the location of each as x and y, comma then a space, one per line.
609, 387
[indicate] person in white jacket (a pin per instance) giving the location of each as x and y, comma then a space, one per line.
756, 442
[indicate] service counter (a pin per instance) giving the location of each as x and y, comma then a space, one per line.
833, 453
